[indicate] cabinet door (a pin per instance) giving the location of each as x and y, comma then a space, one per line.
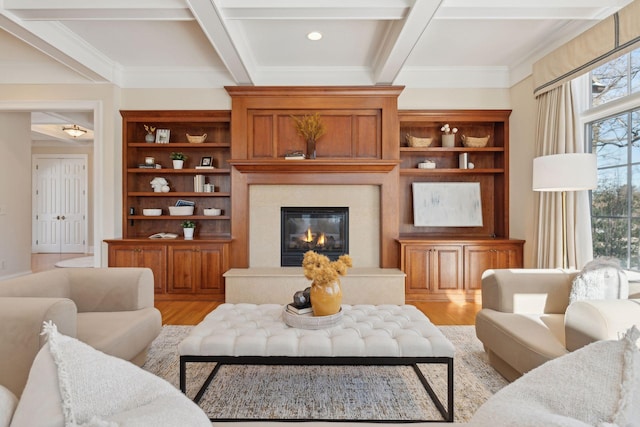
184, 269
151, 256
433, 268
479, 258
198, 268
213, 264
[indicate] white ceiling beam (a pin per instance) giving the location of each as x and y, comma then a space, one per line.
529, 9
210, 18
401, 39
56, 41
315, 9
70, 10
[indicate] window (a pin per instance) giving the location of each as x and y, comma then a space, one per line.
614, 136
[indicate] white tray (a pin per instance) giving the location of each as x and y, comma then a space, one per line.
302, 321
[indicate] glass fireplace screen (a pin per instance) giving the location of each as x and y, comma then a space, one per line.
322, 229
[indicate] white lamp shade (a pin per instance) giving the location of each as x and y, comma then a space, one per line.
565, 172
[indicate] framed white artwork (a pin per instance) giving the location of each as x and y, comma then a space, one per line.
447, 204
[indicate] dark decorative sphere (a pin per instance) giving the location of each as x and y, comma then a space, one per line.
301, 300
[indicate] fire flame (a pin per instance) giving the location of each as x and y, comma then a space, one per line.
307, 237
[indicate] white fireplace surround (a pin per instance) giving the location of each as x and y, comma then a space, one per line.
265, 202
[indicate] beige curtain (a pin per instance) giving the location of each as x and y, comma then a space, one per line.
557, 133
610, 38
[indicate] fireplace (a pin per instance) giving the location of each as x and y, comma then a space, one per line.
322, 229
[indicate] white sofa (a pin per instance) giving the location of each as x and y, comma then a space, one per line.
526, 319
111, 309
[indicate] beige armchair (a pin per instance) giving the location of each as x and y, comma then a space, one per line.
526, 318
111, 309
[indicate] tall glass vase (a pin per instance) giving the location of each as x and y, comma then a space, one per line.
311, 148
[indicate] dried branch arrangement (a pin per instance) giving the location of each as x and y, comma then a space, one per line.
310, 126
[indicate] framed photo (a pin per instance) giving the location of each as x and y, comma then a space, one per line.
162, 136
205, 161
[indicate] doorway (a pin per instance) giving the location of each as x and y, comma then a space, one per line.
59, 203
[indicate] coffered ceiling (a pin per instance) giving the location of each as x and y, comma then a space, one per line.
212, 43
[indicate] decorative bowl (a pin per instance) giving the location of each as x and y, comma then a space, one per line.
180, 210
151, 212
475, 142
212, 211
196, 139
414, 141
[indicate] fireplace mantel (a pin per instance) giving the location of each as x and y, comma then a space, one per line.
314, 166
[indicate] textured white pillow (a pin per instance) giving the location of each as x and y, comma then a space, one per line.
40, 404
600, 279
597, 385
71, 383
8, 403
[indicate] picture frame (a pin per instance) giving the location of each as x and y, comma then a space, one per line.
206, 161
447, 204
162, 136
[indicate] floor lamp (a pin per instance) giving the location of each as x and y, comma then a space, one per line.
565, 172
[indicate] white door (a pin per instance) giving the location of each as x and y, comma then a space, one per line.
59, 204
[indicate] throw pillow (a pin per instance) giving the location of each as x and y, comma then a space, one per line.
597, 385
94, 389
600, 279
8, 403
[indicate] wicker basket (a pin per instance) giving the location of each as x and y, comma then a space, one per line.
414, 141
470, 141
196, 139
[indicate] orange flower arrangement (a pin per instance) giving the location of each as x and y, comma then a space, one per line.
321, 270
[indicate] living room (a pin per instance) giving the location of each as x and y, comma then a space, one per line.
49, 86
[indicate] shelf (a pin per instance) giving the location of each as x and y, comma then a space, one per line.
221, 171
416, 171
451, 149
177, 194
180, 145
178, 217
309, 165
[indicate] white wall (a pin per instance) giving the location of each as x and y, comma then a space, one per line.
104, 99
15, 194
522, 125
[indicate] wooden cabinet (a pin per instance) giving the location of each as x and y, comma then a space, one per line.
446, 270
141, 255
138, 193
446, 262
490, 166
197, 269
184, 269
432, 269
478, 258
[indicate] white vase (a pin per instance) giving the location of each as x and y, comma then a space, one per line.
449, 140
188, 233
177, 164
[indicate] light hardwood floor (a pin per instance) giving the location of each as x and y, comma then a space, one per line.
192, 312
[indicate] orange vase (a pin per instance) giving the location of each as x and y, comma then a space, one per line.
326, 299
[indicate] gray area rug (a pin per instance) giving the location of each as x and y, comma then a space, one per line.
332, 392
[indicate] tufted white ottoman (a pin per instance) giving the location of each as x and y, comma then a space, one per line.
255, 334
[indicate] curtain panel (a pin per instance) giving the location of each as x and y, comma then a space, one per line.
557, 133
610, 38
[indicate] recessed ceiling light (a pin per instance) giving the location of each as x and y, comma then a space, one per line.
314, 35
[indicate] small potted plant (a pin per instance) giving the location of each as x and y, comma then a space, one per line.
188, 228
178, 159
